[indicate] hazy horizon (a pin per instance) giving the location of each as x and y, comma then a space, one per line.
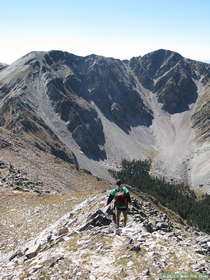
120, 29
3, 62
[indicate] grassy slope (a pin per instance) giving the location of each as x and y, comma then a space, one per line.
23, 215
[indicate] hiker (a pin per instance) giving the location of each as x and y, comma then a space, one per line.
122, 198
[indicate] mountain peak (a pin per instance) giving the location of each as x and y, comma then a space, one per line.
163, 52
155, 60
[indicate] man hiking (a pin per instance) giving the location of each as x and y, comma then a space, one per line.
122, 198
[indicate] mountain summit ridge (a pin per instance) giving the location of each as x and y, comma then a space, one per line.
105, 109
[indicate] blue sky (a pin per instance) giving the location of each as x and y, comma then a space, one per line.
117, 28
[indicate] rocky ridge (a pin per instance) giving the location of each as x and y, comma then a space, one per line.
83, 244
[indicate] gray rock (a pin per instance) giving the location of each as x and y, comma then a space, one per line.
18, 253
149, 226
35, 268
98, 219
3, 165
32, 251
56, 261
163, 226
136, 248
62, 231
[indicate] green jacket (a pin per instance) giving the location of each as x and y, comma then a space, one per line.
113, 193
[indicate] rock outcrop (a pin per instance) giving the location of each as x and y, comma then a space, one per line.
15, 179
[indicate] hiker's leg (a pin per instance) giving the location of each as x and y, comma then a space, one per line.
118, 218
114, 215
125, 214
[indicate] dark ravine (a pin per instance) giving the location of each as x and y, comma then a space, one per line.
101, 110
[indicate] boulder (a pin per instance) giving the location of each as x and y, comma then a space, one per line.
18, 253
33, 251
98, 219
62, 231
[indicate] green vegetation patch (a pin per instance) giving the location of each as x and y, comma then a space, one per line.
177, 197
72, 244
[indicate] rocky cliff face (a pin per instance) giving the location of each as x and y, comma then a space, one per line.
102, 110
168, 75
83, 244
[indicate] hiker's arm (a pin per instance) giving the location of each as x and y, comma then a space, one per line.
110, 199
128, 197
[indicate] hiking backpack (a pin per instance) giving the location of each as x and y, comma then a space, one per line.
120, 198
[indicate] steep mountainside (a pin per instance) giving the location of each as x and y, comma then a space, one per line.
25, 167
101, 110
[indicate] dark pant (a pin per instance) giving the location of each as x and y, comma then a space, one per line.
125, 214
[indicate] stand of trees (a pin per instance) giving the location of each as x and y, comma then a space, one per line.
177, 197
